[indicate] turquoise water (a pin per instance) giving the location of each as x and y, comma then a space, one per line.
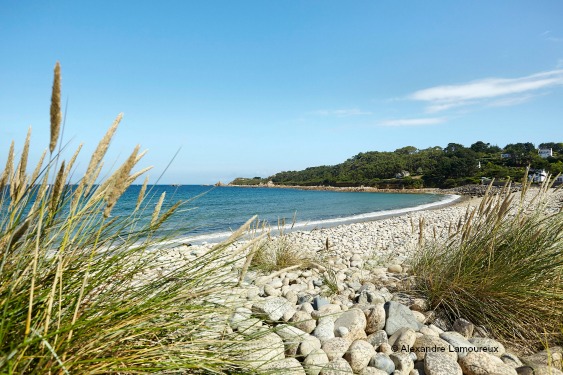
213, 212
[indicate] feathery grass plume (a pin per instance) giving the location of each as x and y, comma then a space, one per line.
57, 190
141, 195
501, 268
93, 169
120, 181
38, 167
7, 173
71, 162
132, 303
56, 115
19, 184
157, 209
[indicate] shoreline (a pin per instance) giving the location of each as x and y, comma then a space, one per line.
210, 239
363, 189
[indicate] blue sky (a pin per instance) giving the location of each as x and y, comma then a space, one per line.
250, 88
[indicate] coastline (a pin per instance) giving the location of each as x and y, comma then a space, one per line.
210, 239
367, 189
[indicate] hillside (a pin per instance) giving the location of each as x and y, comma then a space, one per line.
409, 167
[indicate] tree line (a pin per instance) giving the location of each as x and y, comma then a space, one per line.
410, 167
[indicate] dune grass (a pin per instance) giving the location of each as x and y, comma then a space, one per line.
277, 253
85, 292
502, 268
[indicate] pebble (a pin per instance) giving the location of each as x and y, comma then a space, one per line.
315, 362
337, 367
441, 364
479, 363
359, 355
382, 362
399, 316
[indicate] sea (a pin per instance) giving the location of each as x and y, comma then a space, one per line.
210, 214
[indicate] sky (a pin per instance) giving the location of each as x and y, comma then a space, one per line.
252, 87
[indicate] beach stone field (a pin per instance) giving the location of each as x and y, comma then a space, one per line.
349, 313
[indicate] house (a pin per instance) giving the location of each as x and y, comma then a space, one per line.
505, 156
538, 175
559, 179
545, 152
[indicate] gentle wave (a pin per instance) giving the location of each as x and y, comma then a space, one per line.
308, 225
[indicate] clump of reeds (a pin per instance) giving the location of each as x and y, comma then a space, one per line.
502, 268
277, 253
82, 291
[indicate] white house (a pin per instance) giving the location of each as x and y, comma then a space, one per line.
545, 152
559, 179
505, 156
537, 175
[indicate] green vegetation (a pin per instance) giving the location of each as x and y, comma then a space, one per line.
502, 268
277, 253
409, 167
82, 291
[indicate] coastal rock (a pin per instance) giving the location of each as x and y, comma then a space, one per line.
460, 344
395, 268
289, 366
441, 364
335, 348
308, 345
319, 301
303, 321
337, 367
398, 316
325, 329
426, 344
479, 363
488, 345
239, 316
359, 355
403, 362
274, 308
463, 327
402, 340
553, 357
315, 362
377, 338
511, 359
375, 318
355, 321
262, 350
382, 362
371, 371
535, 369
292, 337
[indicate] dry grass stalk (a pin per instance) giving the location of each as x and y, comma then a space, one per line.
501, 268
157, 209
57, 189
120, 183
7, 173
56, 116
93, 169
38, 168
141, 195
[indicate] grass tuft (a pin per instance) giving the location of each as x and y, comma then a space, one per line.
502, 268
85, 292
277, 253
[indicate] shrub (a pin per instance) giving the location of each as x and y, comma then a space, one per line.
84, 292
502, 268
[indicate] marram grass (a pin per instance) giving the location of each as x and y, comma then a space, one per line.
83, 292
502, 269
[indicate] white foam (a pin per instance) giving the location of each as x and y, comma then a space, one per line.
219, 236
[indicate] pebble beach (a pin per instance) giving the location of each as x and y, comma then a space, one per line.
367, 325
